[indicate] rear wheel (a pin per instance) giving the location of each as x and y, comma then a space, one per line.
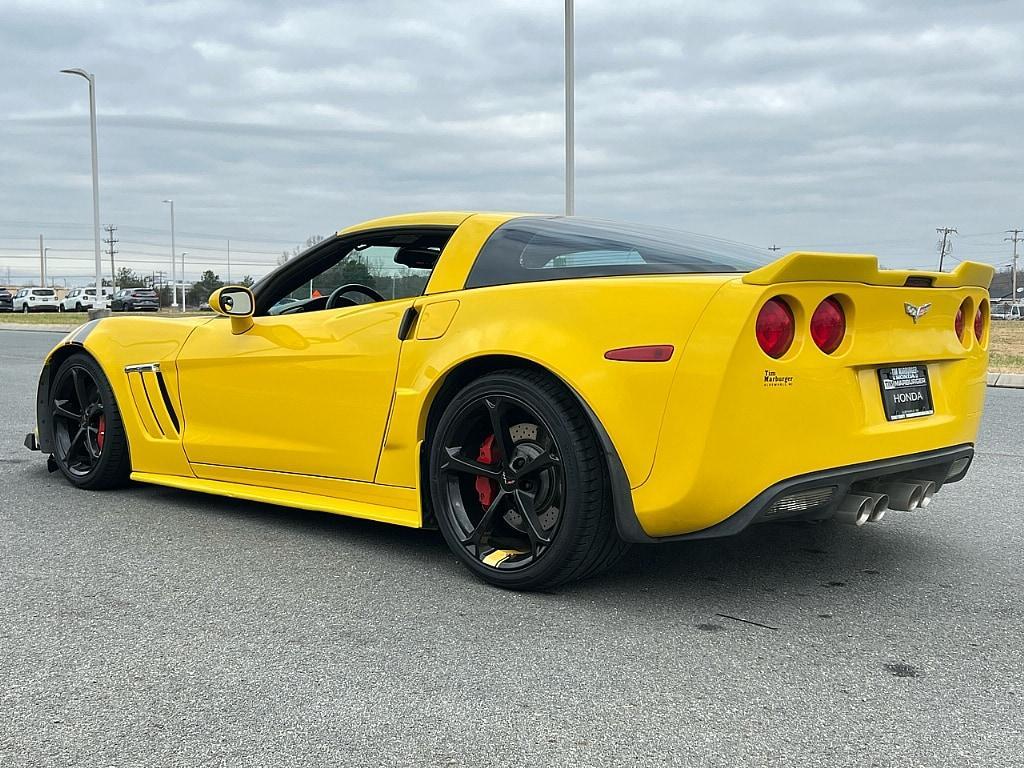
519, 484
89, 441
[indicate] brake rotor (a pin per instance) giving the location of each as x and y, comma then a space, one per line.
524, 437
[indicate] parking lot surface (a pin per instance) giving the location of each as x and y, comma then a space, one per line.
160, 627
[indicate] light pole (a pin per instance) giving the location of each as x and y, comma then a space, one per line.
183, 255
46, 256
570, 116
174, 284
95, 170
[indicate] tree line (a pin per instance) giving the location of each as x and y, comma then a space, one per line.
198, 293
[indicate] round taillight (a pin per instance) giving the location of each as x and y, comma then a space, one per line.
828, 325
979, 323
775, 327
958, 322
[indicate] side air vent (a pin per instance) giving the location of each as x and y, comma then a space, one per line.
152, 400
167, 400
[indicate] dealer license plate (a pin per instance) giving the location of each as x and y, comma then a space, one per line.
906, 393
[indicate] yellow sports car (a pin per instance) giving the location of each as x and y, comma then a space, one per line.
544, 390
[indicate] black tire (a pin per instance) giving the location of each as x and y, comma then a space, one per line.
78, 307
90, 446
24, 309
557, 523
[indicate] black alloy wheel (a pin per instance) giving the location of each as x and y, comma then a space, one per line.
518, 483
89, 442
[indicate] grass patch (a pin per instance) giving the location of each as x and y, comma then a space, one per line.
1006, 346
70, 319
75, 319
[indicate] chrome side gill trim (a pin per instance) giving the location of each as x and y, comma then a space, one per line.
143, 368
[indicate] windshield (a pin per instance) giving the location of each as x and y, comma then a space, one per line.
532, 249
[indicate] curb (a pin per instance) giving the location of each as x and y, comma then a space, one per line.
1006, 380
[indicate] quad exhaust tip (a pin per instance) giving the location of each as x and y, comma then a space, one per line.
906, 497
854, 509
862, 507
879, 503
928, 490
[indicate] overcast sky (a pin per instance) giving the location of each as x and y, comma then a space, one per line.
836, 124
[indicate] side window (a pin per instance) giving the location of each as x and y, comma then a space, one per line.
393, 272
375, 267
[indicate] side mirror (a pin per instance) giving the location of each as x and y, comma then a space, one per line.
236, 302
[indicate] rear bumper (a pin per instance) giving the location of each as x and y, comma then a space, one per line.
944, 465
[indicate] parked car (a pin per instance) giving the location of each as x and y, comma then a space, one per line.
6, 301
81, 299
559, 388
36, 300
135, 300
1005, 310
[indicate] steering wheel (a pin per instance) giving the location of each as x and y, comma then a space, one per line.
335, 299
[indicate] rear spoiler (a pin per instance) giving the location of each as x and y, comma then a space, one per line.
804, 266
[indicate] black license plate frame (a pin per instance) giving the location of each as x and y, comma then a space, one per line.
906, 391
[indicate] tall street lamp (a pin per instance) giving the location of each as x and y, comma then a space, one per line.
570, 113
95, 171
174, 261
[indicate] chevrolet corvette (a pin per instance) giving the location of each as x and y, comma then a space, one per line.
544, 390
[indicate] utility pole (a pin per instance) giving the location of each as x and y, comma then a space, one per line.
42, 263
229, 261
943, 253
774, 247
183, 255
111, 241
1015, 238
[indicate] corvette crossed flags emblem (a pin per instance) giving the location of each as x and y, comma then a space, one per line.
917, 312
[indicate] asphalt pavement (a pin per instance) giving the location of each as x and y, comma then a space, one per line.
160, 627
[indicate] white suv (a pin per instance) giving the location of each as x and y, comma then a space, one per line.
81, 299
36, 300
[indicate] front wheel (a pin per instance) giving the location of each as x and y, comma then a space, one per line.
89, 442
519, 484
24, 309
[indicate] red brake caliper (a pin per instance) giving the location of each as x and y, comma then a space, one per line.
101, 432
485, 487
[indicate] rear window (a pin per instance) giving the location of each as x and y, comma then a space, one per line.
42, 292
144, 292
535, 249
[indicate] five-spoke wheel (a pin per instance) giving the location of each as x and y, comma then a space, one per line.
518, 488
89, 443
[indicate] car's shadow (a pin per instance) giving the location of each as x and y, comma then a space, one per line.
791, 558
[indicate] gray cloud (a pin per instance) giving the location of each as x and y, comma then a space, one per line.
842, 125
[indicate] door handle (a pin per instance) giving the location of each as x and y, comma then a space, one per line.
408, 320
